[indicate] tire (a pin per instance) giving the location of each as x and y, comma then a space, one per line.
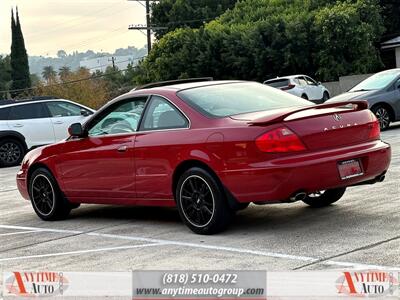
325, 97
324, 198
304, 96
383, 116
210, 213
12, 152
46, 197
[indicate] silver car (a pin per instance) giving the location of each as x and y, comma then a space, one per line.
382, 91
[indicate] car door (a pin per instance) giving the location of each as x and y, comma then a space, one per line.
63, 114
99, 168
157, 143
33, 121
313, 89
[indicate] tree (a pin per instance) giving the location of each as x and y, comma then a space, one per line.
49, 74
19, 58
5, 76
64, 73
261, 39
80, 88
186, 13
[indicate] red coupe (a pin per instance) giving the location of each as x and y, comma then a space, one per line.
209, 148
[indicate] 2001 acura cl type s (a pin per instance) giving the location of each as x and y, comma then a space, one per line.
209, 148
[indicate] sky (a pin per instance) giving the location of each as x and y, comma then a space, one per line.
51, 25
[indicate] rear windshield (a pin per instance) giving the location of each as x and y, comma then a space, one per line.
230, 99
277, 83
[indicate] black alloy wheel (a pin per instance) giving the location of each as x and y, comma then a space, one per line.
11, 153
201, 202
47, 200
43, 195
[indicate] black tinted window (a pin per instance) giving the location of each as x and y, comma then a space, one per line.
28, 111
4, 113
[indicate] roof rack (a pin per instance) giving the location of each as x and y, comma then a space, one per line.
34, 98
171, 82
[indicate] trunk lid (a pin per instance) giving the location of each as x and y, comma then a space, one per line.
321, 126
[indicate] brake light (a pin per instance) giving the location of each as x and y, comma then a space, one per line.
279, 140
289, 87
375, 132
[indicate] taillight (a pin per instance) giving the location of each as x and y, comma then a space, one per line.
279, 140
375, 132
289, 87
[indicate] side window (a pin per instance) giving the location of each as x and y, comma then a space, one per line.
301, 81
28, 111
4, 112
120, 118
161, 114
310, 81
64, 109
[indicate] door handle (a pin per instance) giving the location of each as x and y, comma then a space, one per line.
58, 122
18, 125
122, 149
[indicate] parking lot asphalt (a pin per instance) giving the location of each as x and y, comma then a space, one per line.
360, 231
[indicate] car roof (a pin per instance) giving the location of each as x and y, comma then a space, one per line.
10, 103
286, 77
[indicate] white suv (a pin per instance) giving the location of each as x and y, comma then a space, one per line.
32, 123
302, 86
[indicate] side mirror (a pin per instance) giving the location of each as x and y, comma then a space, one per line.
76, 130
319, 83
85, 113
398, 84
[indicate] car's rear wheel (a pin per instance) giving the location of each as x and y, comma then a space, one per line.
201, 202
11, 152
383, 116
324, 198
325, 97
46, 197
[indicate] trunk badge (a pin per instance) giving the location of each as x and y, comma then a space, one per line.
337, 117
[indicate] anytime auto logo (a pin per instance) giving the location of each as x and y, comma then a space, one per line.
35, 284
367, 284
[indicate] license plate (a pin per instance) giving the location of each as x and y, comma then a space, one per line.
350, 168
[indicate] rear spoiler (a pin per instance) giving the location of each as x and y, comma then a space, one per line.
355, 105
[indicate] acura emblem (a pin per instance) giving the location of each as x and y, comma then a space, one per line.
337, 117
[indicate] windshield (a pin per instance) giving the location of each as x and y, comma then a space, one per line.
238, 98
377, 81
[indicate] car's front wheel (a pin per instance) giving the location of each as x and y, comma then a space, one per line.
46, 197
11, 152
324, 198
201, 202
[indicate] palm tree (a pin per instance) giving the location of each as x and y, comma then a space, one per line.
64, 72
49, 74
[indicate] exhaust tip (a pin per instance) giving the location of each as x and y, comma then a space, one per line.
298, 197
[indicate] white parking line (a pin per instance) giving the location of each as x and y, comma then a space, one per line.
78, 252
159, 242
19, 232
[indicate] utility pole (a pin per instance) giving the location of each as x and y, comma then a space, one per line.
113, 62
148, 27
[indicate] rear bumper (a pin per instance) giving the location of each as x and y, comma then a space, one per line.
22, 184
278, 179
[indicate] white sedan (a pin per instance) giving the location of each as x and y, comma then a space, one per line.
302, 86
